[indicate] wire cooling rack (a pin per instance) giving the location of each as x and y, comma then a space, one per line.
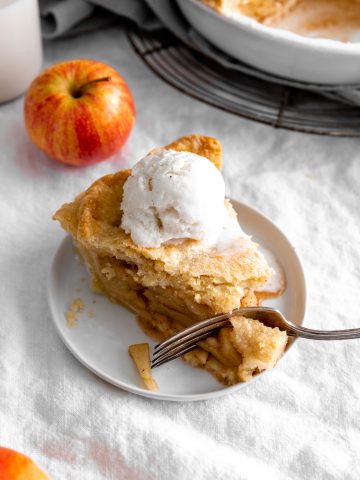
280, 106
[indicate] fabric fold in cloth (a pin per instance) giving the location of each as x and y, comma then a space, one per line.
59, 17
134, 10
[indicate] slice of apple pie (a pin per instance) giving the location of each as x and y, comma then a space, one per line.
162, 240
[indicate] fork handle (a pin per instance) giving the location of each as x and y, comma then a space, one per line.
312, 334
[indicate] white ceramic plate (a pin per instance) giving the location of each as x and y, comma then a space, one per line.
277, 51
103, 332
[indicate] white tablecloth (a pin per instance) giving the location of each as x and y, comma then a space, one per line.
299, 422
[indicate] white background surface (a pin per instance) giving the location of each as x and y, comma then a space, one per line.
299, 422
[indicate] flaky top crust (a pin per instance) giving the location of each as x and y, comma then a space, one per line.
94, 219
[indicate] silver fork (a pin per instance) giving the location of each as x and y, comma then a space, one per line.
187, 339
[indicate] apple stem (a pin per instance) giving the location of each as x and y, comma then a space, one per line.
80, 90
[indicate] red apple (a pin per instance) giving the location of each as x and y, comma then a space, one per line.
16, 466
79, 112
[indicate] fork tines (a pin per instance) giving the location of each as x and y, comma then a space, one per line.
187, 340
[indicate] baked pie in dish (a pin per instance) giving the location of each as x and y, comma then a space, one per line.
336, 19
172, 277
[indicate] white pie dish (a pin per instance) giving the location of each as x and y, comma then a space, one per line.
103, 332
280, 52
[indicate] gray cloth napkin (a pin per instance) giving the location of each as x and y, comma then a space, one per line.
61, 17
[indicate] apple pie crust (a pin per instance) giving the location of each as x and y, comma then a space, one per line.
264, 11
175, 285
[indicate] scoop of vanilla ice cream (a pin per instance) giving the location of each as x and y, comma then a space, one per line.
174, 195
